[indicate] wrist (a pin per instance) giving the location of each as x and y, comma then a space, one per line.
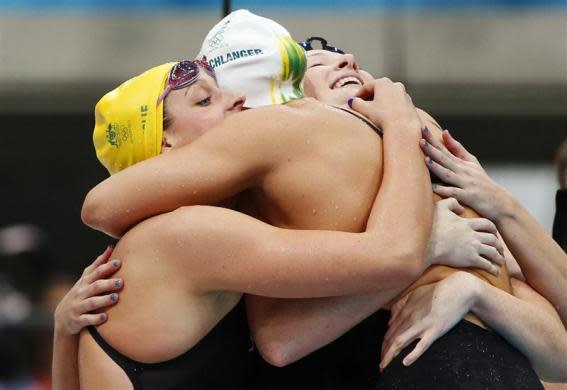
476, 288
507, 207
59, 328
410, 126
432, 253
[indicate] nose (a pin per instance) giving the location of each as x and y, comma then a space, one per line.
347, 61
235, 102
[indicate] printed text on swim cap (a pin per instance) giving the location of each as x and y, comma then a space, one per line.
228, 57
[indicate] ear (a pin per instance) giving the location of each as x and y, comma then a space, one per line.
165, 142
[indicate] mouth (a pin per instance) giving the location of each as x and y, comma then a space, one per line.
347, 81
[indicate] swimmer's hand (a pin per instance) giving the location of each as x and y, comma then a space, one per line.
426, 314
385, 104
466, 180
463, 242
73, 312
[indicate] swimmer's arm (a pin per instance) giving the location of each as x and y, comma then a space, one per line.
286, 330
223, 250
65, 371
542, 261
226, 160
529, 322
73, 313
404, 203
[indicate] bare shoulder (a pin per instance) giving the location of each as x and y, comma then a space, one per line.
281, 117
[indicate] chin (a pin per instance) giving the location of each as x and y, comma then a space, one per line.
341, 96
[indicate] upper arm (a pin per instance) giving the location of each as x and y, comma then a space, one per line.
221, 163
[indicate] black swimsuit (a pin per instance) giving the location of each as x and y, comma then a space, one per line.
560, 220
218, 361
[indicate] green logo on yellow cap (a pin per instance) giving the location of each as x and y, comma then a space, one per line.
117, 134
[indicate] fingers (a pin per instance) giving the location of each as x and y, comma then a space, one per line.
482, 263
483, 225
491, 253
492, 240
362, 107
399, 344
98, 302
102, 286
419, 349
452, 204
397, 307
456, 148
367, 90
445, 159
102, 271
446, 175
448, 192
404, 320
103, 258
92, 319
428, 136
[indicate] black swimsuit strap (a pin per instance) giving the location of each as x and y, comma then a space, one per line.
224, 348
131, 367
434, 178
365, 120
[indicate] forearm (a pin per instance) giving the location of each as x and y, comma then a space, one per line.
542, 261
225, 250
286, 330
404, 203
65, 371
536, 332
142, 191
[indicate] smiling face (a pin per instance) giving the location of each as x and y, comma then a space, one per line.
193, 110
333, 78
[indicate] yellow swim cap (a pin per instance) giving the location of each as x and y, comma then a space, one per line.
128, 121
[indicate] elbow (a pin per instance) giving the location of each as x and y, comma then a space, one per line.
410, 264
93, 215
275, 349
89, 211
275, 353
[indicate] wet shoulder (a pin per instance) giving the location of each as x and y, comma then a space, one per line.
294, 117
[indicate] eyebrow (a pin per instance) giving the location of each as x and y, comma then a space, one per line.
199, 79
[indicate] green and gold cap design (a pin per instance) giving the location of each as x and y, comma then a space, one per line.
257, 57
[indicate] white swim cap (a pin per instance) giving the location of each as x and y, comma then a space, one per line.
257, 57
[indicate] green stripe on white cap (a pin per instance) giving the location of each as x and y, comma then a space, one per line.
257, 57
